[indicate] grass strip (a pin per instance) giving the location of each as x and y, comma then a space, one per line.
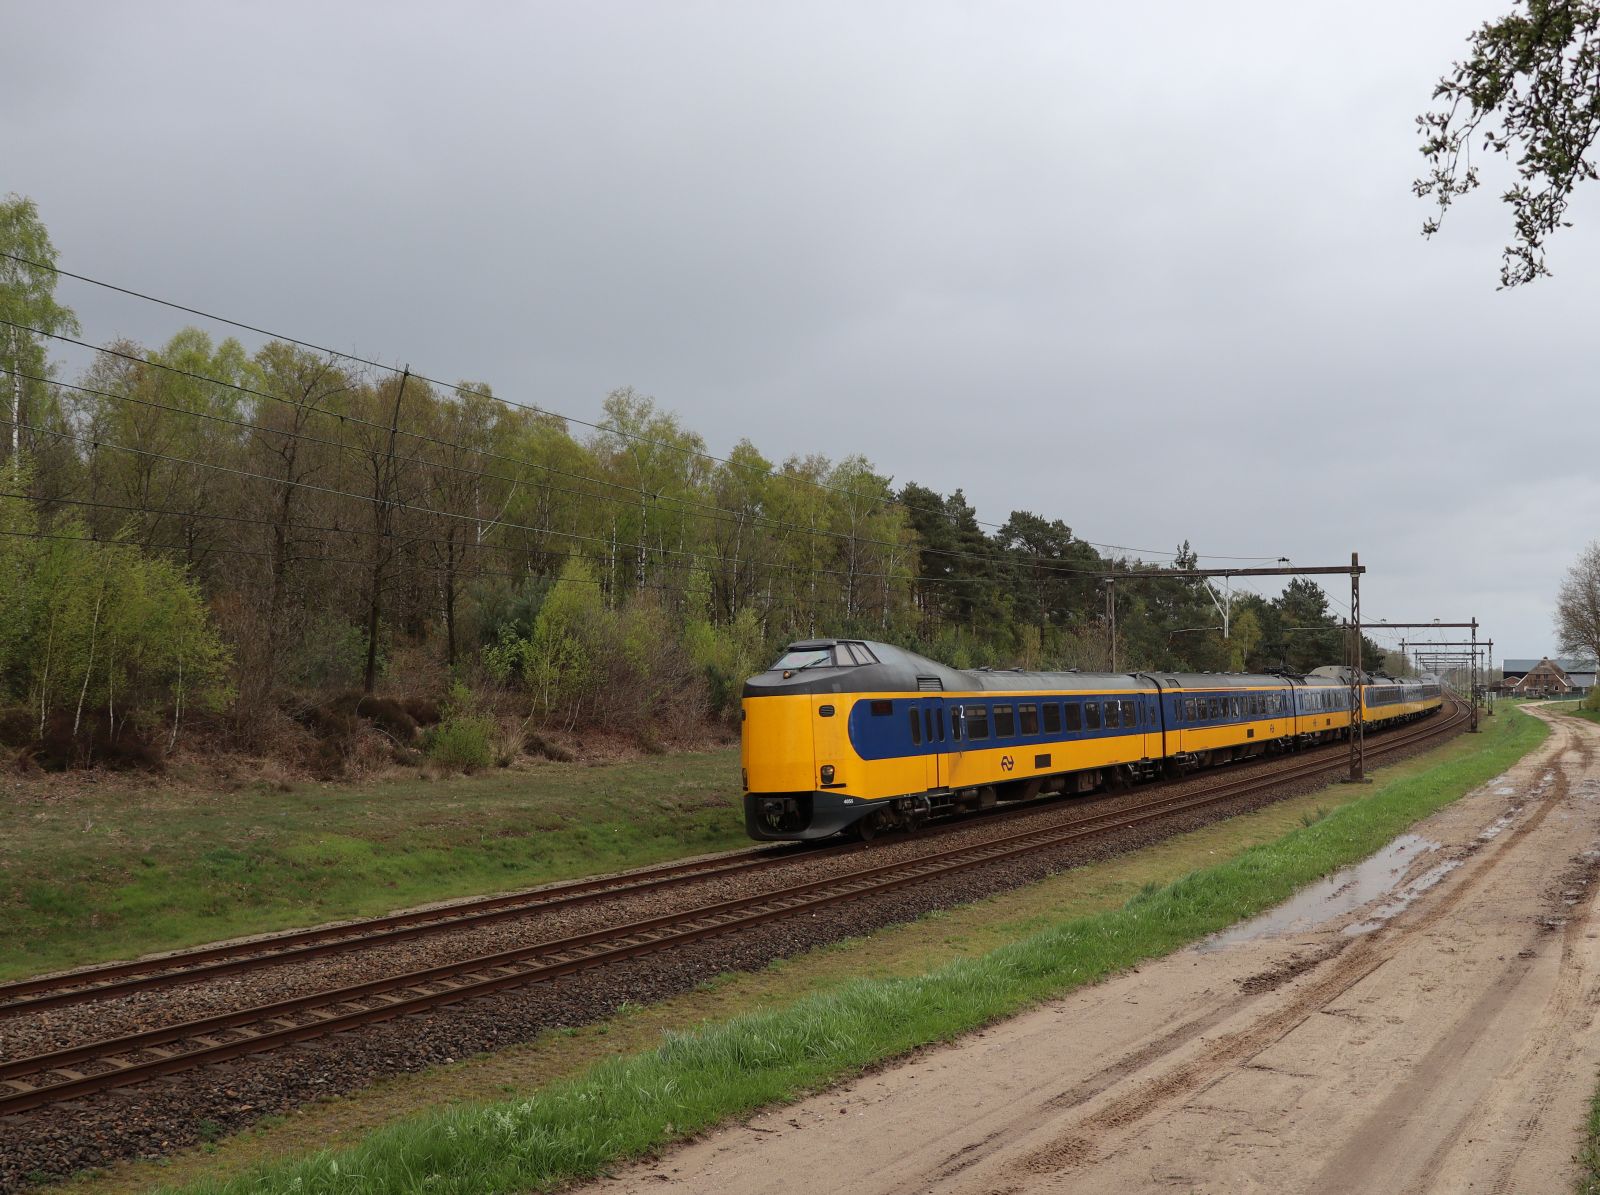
1589, 1158
626, 1107
88, 874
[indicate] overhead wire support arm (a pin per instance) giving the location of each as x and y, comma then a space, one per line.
1353, 570
1436, 624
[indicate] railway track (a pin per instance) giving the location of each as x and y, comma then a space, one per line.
81, 1070
189, 966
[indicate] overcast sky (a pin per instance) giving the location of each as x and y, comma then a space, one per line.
1154, 270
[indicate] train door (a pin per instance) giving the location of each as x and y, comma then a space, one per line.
935, 730
1162, 740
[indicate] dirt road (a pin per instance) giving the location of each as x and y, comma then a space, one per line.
1439, 1038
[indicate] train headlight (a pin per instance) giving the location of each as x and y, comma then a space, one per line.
827, 773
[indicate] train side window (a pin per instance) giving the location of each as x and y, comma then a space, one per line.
882, 709
1188, 710
977, 722
927, 725
1091, 715
1052, 718
1238, 708
1005, 723
938, 723
1028, 718
1130, 713
916, 728
1074, 715
1111, 719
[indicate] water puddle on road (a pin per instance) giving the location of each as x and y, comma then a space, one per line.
1344, 892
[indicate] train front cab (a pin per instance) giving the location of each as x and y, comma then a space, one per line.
801, 779
823, 762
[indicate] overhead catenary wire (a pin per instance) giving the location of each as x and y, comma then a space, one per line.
489, 523
405, 539
608, 429
651, 495
259, 554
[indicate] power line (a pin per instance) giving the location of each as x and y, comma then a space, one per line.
697, 559
609, 430
366, 564
481, 523
733, 516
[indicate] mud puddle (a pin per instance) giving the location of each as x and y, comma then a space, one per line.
1344, 892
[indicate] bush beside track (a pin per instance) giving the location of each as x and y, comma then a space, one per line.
627, 1107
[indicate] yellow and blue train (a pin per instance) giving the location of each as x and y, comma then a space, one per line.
855, 736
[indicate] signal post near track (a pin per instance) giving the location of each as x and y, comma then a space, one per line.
1457, 654
1353, 570
1435, 624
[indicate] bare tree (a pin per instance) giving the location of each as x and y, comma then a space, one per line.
1578, 605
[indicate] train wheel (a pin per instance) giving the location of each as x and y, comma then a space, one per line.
867, 828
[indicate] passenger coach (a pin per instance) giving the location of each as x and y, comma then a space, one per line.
852, 735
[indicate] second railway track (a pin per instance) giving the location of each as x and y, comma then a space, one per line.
80, 1070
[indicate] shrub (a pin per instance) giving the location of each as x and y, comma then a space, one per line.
463, 742
618, 669
92, 629
328, 652
728, 655
465, 738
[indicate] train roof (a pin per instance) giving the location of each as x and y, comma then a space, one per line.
1341, 674
896, 670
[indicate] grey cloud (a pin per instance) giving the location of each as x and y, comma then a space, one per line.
1152, 270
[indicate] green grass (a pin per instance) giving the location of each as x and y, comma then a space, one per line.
627, 1106
1589, 1158
87, 875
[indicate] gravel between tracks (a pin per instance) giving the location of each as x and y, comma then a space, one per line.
158, 1117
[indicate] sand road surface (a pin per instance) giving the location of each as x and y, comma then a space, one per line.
1440, 1037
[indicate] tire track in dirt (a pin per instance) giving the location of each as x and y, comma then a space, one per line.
1550, 1053
1092, 1136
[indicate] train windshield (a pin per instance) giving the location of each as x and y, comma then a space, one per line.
810, 657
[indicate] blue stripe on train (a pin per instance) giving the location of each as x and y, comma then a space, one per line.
880, 728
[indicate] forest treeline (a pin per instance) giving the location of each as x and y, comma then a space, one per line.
282, 549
